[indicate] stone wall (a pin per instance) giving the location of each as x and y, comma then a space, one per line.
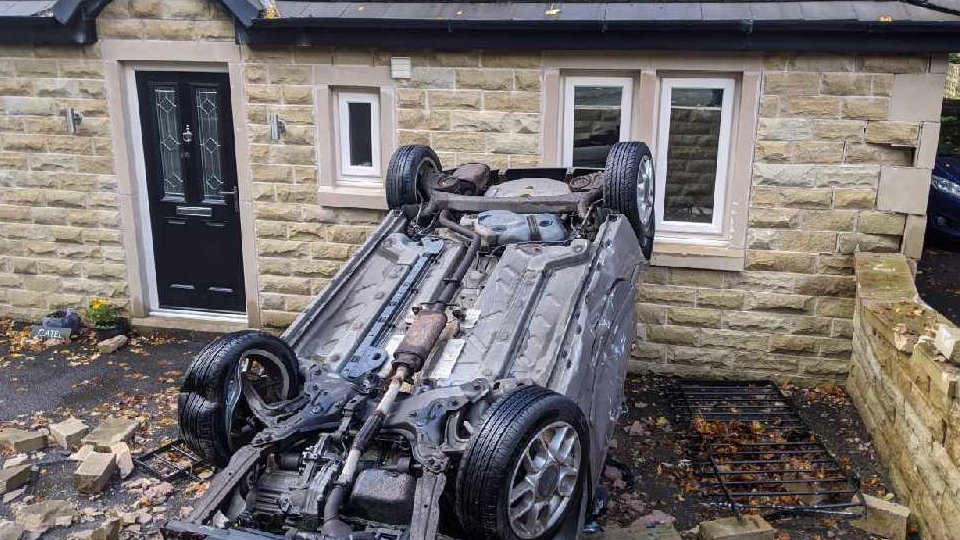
59, 217
467, 106
842, 162
904, 381
952, 88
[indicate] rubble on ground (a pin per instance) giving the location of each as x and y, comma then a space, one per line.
69, 433
95, 472
10, 530
883, 518
112, 430
748, 527
112, 345
14, 477
20, 440
44, 515
661, 531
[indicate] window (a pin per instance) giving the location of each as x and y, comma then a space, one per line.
358, 122
596, 116
693, 148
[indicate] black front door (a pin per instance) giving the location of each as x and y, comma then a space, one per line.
192, 184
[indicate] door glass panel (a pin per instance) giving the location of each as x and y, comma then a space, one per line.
361, 136
168, 127
210, 142
692, 151
596, 123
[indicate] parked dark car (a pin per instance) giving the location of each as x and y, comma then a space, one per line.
943, 210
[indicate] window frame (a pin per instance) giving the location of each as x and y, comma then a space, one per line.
626, 108
722, 176
358, 174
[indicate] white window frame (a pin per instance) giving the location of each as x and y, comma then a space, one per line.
667, 84
354, 174
626, 108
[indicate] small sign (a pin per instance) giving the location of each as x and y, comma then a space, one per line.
401, 67
44, 333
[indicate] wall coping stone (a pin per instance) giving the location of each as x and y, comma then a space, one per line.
882, 276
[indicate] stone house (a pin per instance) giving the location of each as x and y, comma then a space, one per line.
211, 164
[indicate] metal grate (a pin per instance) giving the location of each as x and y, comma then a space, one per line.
752, 450
170, 461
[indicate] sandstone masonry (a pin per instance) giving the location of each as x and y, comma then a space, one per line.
840, 164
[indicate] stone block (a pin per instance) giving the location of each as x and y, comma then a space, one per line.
22, 441
926, 153
784, 129
108, 530
881, 223
846, 84
69, 433
866, 108
855, 198
878, 154
914, 234
883, 518
94, 473
884, 277
873, 243
112, 345
946, 341
839, 130
123, 458
112, 430
917, 97
812, 106
749, 527
14, 477
896, 133
659, 531
46, 514
10, 530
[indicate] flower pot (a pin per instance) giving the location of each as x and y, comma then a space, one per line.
122, 326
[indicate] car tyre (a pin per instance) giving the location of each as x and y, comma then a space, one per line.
404, 182
214, 418
629, 188
537, 439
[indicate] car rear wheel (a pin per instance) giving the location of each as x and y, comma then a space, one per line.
630, 189
215, 418
404, 183
524, 469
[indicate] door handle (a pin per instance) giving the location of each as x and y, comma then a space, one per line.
187, 135
233, 193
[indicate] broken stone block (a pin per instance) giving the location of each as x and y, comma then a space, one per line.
750, 527
112, 430
46, 514
108, 530
94, 473
14, 477
111, 345
123, 458
82, 453
8, 497
10, 530
946, 341
69, 433
20, 440
660, 531
883, 518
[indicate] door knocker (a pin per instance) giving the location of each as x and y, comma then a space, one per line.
187, 135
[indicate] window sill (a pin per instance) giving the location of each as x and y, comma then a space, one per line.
352, 197
686, 255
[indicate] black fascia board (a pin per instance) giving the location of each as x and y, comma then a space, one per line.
80, 30
733, 35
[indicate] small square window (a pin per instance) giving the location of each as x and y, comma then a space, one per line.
358, 127
692, 153
596, 116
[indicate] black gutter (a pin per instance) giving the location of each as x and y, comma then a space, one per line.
739, 35
39, 30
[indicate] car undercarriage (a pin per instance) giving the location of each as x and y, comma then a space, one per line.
460, 377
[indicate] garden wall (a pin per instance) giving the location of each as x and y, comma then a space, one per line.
904, 382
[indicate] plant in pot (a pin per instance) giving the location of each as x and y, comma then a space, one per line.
105, 319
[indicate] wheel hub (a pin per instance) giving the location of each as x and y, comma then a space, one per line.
545, 480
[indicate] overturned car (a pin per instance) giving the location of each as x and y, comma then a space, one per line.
460, 377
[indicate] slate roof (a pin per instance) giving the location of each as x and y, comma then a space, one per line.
810, 25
